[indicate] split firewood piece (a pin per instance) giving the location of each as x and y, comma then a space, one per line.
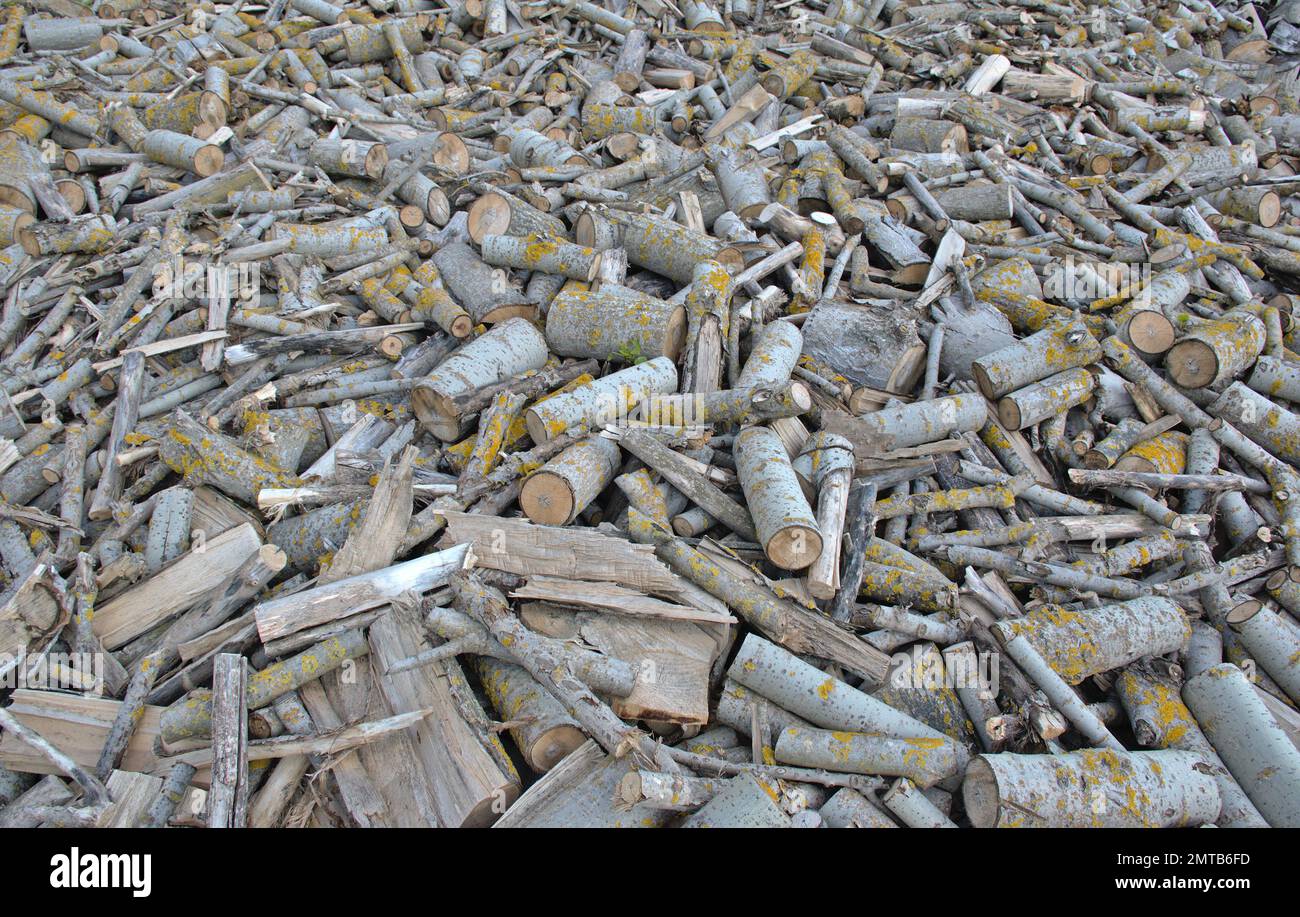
745, 109
228, 797
79, 726
96, 794
602, 673
674, 658
571, 553
128, 715
467, 770
871, 346
742, 802
374, 543
333, 742
612, 598
169, 527
32, 611
708, 306
194, 576
782, 620
582, 790
488, 606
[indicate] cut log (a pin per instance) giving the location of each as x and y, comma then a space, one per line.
1168, 790
564, 486
1258, 754
787, 528
615, 323
508, 349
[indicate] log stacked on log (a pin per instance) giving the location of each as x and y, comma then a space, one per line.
628, 414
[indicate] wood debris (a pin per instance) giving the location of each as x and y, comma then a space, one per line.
605, 413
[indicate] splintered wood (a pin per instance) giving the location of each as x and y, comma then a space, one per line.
846, 413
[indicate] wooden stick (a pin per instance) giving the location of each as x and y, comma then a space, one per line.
228, 798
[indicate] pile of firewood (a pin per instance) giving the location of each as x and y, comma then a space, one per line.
649, 413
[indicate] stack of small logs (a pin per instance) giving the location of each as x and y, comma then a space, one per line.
846, 413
